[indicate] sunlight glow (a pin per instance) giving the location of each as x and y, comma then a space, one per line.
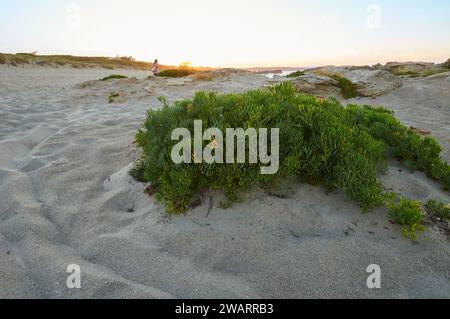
231, 33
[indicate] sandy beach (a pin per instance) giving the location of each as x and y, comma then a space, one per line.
66, 198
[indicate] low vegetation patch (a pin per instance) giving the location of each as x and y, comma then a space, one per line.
12, 59
114, 76
321, 142
348, 88
176, 73
296, 74
409, 214
438, 209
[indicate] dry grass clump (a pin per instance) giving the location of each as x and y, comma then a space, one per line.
11, 59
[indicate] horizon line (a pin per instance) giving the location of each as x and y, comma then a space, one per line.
237, 66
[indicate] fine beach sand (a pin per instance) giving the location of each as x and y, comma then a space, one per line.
66, 198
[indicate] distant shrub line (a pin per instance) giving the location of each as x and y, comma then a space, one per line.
176, 73
321, 142
72, 61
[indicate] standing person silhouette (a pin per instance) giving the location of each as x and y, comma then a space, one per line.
155, 68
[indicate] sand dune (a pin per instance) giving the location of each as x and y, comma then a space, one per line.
66, 198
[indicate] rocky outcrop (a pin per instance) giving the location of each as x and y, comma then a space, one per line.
369, 83
414, 69
373, 83
318, 85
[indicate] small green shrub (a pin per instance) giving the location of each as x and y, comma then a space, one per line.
108, 66
321, 142
409, 214
438, 209
2, 59
296, 74
175, 73
348, 88
114, 76
315, 145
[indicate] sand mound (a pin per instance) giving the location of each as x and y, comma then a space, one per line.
369, 83
373, 83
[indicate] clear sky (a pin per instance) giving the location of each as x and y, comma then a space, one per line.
232, 32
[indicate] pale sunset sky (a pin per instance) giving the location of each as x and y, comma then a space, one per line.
232, 33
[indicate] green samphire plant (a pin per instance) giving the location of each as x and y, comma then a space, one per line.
407, 213
320, 141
